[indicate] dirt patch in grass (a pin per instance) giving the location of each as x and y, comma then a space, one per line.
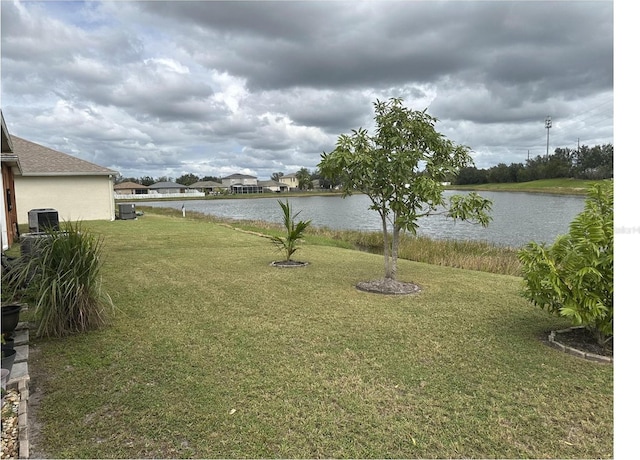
289, 264
388, 286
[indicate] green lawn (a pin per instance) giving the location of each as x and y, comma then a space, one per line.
564, 186
213, 353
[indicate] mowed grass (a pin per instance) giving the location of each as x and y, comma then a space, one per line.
560, 186
468, 254
212, 353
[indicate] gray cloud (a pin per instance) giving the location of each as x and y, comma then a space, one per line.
164, 88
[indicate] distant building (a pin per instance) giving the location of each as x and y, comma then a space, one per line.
241, 183
291, 180
167, 187
130, 188
208, 186
273, 186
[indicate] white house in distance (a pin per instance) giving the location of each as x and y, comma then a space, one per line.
77, 189
273, 186
165, 188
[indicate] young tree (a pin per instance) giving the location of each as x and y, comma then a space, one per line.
401, 169
574, 277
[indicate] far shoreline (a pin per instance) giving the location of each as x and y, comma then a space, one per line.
578, 187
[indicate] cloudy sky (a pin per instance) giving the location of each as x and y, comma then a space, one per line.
216, 88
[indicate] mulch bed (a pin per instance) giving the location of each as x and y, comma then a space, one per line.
289, 264
388, 286
581, 339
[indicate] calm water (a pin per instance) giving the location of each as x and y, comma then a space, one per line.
517, 217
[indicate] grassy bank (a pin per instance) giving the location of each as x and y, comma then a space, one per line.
471, 255
214, 354
563, 186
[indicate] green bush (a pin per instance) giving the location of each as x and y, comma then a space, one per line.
574, 277
290, 242
60, 277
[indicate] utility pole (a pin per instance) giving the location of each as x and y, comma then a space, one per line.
547, 125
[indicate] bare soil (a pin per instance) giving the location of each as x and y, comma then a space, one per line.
388, 286
289, 264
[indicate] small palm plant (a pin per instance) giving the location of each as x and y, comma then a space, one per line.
290, 243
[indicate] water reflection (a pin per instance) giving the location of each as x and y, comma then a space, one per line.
517, 217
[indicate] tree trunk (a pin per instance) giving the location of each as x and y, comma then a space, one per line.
385, 241
394, 252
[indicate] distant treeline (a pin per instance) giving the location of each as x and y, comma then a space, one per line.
185, 179
584, 163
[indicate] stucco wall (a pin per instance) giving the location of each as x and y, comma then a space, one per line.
74, 197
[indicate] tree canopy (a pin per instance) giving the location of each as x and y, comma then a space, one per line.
401, 169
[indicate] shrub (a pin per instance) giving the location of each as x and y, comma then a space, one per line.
574, 277
290, 242
61, 278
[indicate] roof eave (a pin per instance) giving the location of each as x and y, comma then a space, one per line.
68, 174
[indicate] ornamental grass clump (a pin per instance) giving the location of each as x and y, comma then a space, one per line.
574, 277
61, 279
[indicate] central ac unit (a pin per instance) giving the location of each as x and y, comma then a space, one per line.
126, 211
43, 219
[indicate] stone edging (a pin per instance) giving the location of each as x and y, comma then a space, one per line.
574, 351
21, 384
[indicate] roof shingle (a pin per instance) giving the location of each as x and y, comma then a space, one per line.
37, 160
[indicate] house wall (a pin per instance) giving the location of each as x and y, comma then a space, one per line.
291, 181
243, 181
164, 191
74, 197
9, 216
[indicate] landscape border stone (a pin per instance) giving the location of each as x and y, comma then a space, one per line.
575, 352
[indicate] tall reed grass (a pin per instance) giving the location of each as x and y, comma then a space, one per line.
470, 255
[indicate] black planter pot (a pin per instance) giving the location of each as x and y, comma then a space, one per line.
8, 357
10, 318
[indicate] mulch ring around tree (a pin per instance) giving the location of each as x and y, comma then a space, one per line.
580, 339
289, 264
388, 286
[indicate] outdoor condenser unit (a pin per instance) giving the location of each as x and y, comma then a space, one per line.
42, 219
126, 211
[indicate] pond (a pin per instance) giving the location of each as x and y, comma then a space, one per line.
517, 217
